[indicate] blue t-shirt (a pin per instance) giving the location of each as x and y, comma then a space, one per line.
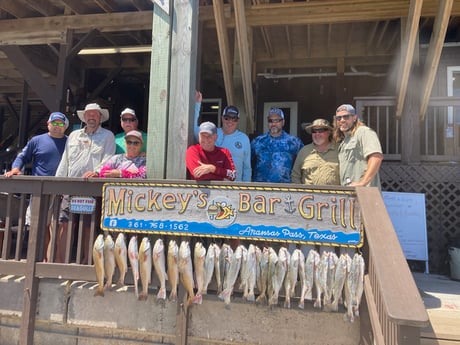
44, 152
273, 157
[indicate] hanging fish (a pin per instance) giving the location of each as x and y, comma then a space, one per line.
199, 256
145, 267
121, 258
279, 275
291, 277
109, 261
186, 270
98, 257
262, 281
159, 264
355, 287
133, 255
230, 279
173, 269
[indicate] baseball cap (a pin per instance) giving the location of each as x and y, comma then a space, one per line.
346, 107
208, 127
60, 117
232, 111
276, 111
128, 111
134, 133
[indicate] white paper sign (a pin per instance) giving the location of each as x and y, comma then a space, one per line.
407, 213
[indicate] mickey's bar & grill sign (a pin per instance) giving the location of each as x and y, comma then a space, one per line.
249, 212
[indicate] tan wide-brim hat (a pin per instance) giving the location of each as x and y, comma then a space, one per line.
318, 123
93, 106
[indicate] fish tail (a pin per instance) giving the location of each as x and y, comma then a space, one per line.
161, 294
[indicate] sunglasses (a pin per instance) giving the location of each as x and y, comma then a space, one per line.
128, 119
343, 117
274, 120
135, 143
231, 118
319, 130
57, 124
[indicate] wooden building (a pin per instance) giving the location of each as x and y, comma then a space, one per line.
396, 60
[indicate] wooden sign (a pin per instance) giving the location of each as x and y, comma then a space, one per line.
250, 212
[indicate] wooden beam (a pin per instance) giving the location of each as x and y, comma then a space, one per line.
407, 47
224, 49
24, 31
327, 11
434, 53
31, 75
245, 60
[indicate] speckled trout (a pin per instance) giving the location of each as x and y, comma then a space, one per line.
133, 255
145, 267
159, 263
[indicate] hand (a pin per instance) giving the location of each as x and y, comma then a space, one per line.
198, 96
203, 169
14, 171
90, 174
114, 173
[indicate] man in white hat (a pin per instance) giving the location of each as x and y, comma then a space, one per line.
128, 122
85, 152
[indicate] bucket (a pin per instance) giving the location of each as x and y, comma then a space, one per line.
454, 254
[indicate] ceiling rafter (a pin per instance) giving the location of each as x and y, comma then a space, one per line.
44, 7
13, 7
108, 6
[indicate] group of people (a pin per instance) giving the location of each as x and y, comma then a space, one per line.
91, 151
348, 153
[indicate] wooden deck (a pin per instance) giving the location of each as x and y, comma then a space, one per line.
441, 296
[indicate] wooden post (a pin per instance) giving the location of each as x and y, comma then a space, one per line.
159, 94
38, 222
182, 86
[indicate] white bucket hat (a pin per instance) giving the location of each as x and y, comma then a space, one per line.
93, 106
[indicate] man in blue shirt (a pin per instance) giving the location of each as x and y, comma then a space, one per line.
44, 151
273, 153
231, 138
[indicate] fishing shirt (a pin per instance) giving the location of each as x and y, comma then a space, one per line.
129, 167
316, 168
44, 152
86, 152
220, 157
353, 153
273, 157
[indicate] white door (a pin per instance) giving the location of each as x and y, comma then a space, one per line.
290, 115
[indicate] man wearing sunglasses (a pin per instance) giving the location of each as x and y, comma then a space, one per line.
44, 151
273, 153
129, 122
230, 138
360, 152
317, 163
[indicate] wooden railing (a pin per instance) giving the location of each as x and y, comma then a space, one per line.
392, 302
440, 130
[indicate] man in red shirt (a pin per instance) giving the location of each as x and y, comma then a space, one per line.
206, 161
